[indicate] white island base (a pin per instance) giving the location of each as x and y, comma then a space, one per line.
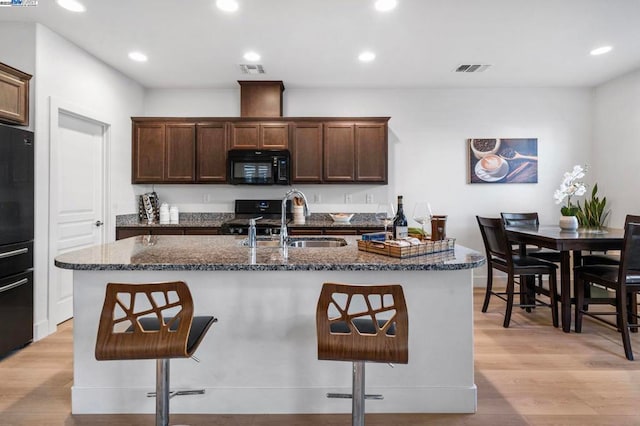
261, 356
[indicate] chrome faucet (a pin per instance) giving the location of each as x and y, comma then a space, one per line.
252, 239
284, 235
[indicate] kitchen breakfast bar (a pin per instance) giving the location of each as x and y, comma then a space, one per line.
261, 355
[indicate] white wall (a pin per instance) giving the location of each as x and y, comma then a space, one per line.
68, 73
616, 145
18, 51
428, 157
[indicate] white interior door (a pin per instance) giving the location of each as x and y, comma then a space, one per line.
77, 198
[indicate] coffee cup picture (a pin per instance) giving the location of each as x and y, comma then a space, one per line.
502, 160
491, 164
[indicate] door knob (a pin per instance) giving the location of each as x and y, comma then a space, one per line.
99, 223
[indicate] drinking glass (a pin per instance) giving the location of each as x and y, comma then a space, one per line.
421, 215
385, 214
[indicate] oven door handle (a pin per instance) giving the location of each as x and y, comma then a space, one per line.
13, 285
13, 253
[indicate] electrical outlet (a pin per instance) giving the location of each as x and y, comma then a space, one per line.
206, 198
317, 198
369, 199
347, 198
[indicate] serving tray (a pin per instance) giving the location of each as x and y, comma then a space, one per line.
426, 247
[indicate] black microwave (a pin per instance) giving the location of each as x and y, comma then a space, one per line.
264, 167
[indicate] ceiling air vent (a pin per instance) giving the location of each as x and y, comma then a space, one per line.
251, 69
472, 68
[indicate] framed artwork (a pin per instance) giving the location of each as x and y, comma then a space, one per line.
503, 160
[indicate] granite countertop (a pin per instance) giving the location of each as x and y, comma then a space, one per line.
225, 253
215, 220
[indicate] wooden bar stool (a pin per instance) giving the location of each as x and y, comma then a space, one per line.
362, 323
151, 321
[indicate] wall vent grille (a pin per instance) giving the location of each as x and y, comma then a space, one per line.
251, 69
472, 67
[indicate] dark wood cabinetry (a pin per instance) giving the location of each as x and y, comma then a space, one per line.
371, 152
306, 152
163, 152
180, 155
324, 150
259, 135
148, 152
339, 152
14, 95
211, 153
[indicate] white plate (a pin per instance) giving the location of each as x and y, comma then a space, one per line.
499, 174
341, 217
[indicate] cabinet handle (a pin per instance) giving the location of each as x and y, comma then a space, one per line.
13, 253
13, 285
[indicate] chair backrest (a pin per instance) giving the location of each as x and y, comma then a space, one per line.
631, 219
121, 335
495, 239
341, 311
630, 253
528, 220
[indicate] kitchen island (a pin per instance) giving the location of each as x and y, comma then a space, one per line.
261, 355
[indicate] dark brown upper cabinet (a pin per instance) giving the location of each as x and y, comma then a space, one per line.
14, 95
339, 152
259, 135
261, 98
371, 152
211, 152
306, 152
355, 152
163, 152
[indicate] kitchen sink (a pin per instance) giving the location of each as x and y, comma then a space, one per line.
317, 242
300, 242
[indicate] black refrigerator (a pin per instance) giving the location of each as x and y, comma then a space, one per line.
16, 238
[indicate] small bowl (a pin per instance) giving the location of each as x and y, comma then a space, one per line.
341, 217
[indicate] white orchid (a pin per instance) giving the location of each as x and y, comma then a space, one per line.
569, 187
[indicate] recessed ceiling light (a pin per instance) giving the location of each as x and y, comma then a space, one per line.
367, 56
251, 56
385, 5
138, 56
601, 50
72, 5
227, 5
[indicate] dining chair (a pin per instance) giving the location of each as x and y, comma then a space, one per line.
530, 220
607, 259
500, 256
623, 280
151, 321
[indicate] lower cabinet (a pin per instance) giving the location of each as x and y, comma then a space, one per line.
133, 231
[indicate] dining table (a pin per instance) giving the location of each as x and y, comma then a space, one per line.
567, 243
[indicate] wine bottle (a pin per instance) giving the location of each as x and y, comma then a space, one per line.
400, 225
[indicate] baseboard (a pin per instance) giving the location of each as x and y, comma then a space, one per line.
41, 330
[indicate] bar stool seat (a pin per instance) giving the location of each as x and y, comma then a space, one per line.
151, 321
360, 323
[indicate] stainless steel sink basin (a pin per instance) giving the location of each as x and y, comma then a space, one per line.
317, 242
301, 242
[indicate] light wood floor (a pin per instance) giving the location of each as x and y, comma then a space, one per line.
529, 374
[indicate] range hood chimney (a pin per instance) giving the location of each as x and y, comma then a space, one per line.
261, 98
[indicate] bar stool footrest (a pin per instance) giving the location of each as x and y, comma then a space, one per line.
179, 393
349, 396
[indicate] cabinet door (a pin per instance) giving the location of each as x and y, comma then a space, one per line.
14, 95
148, 152
211, 152
306, 144
245, 136
180, 156
274, 135
339, 152
122, 233
371, 152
